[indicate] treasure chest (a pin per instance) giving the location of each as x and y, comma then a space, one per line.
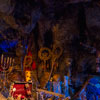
22, 89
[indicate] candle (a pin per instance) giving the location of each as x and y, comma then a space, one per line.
7, 60
2, 59
10, 60
13, 61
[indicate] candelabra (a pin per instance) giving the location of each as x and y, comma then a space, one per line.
6, 67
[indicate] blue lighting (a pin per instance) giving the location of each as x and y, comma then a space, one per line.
5, 45
93, 89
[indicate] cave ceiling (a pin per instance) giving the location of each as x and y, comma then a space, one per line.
19, 18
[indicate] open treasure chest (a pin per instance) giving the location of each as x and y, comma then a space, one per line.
21, 90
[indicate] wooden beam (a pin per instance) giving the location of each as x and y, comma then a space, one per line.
51, 93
